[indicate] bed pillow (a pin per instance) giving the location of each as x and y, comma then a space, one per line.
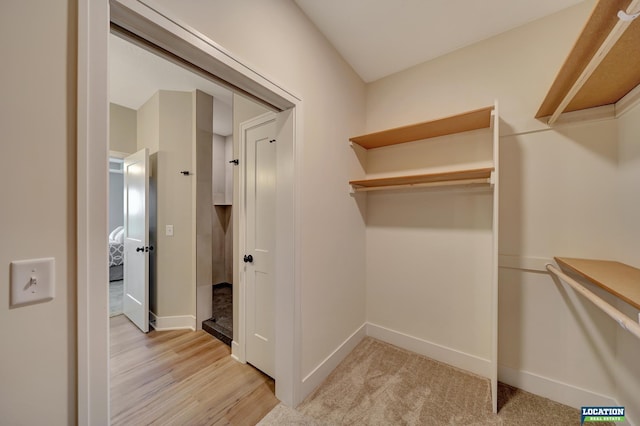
119, 237
112, 235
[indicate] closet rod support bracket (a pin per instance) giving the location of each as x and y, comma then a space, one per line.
624, 16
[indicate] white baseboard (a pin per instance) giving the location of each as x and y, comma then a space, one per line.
235, 352
317, 376
564, 393
431, 350
179, 322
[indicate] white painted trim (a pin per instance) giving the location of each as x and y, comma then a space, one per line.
493, 373
453, 357
160, 28
92, 225
527, 263
322, 371
627, 102
178, 322
288, 242
555, 390
234, 350
604, 112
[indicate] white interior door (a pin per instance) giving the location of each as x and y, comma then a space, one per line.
259, 259
136, 239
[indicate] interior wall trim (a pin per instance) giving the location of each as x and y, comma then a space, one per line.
322, 370
555, 390
178, 322
450, 356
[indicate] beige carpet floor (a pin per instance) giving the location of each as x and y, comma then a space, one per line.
380, 384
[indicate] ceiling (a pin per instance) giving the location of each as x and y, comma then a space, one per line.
376, 37
381, 37
135, 74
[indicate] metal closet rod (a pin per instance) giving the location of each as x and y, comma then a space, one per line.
623, 320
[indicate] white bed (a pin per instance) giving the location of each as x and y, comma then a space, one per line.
116, 254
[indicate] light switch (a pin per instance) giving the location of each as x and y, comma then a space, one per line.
168, 231
32, 281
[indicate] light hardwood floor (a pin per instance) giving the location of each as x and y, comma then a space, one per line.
182, 378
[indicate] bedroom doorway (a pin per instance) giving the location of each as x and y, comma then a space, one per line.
92, 118
191, 184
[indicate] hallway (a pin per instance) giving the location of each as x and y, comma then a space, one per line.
182, 377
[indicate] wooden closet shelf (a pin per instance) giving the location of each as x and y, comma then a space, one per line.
458, 177
470, 120
611, 79
616, 278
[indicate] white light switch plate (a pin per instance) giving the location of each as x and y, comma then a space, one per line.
32, 281
168, 230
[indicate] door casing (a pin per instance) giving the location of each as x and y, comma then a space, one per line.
143, 20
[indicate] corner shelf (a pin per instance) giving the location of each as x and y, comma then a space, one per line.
471, 177
466, 121
619, 279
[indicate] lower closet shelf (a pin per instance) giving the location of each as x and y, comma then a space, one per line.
471, 177
616, 278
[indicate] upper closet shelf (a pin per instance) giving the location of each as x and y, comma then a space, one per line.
617, 278
604, 64
470, 120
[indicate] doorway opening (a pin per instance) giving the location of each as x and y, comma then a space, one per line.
191, 202
143, 23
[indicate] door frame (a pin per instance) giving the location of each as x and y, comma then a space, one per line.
238, 349
145, 20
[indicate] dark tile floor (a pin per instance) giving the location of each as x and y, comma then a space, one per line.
220, 325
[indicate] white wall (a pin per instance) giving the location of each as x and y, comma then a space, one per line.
202, 153
37, 213
166, 127
627, 346
559, 196
293, 53
517, 68
429, 263
116, 200
122, 129
122, 139
563, 204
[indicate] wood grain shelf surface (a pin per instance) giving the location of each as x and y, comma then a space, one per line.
617, 74
466, 121
453, 176
617, 278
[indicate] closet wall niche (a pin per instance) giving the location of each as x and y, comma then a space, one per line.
431, 237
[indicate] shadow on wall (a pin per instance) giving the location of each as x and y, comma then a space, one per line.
434, 209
